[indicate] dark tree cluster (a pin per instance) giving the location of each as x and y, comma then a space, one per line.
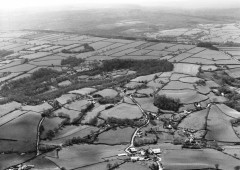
142, 67
207, 45
109, 100
4, 53
72, 61
86, 46
167, 103
123, 122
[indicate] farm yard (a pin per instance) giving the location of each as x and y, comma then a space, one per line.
63, 106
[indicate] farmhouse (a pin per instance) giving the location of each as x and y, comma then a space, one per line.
155, 151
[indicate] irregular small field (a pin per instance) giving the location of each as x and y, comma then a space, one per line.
83, 91
6, 108
191, 69
197, 159
107, 93
177, 85
122, 111
147, 104
196, 120
8, 160
80, 155
185, 96
22, 129
118, 136
219, 126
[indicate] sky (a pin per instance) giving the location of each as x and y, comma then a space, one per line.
12, 5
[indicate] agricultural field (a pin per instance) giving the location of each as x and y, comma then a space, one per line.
69, 109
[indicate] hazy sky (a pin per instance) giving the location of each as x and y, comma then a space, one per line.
11, 5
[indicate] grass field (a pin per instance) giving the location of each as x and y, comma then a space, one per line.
197, 159
190, 69
219, 126
122, 111
196, 120
24, 130
118, 136
80, 155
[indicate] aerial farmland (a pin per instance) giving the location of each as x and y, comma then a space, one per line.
71, 101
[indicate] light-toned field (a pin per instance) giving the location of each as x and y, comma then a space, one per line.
72, 113
228, 111
65, 97
234, 73
37, 108
144, 57
191, 60
11, 116
19, 68
211, 54
122, 111
177, 85
160, 46
158, 53
147, 104
196, 120
118, 136
77, 105
80, 155
191, 69
47, 63
185, 96
203, 89
83, 91
107, 93
100, 45
180, 47
177, 76
180, 57
6, 108
189, 79
35, 55
145, 78
219, 126
140, 52
125, 47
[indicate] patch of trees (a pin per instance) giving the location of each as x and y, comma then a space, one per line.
201, 83
207, 45
166, 103
109, 100
78, 140
4, 53
144, 141
72, 61
112, 166
112, 121
86, 46
143, 67
82, 114
235, 122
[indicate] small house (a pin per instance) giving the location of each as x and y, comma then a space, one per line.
132, 149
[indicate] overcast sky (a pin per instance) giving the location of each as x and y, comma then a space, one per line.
11, 5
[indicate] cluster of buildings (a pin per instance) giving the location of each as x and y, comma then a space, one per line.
21, 167
142, 154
